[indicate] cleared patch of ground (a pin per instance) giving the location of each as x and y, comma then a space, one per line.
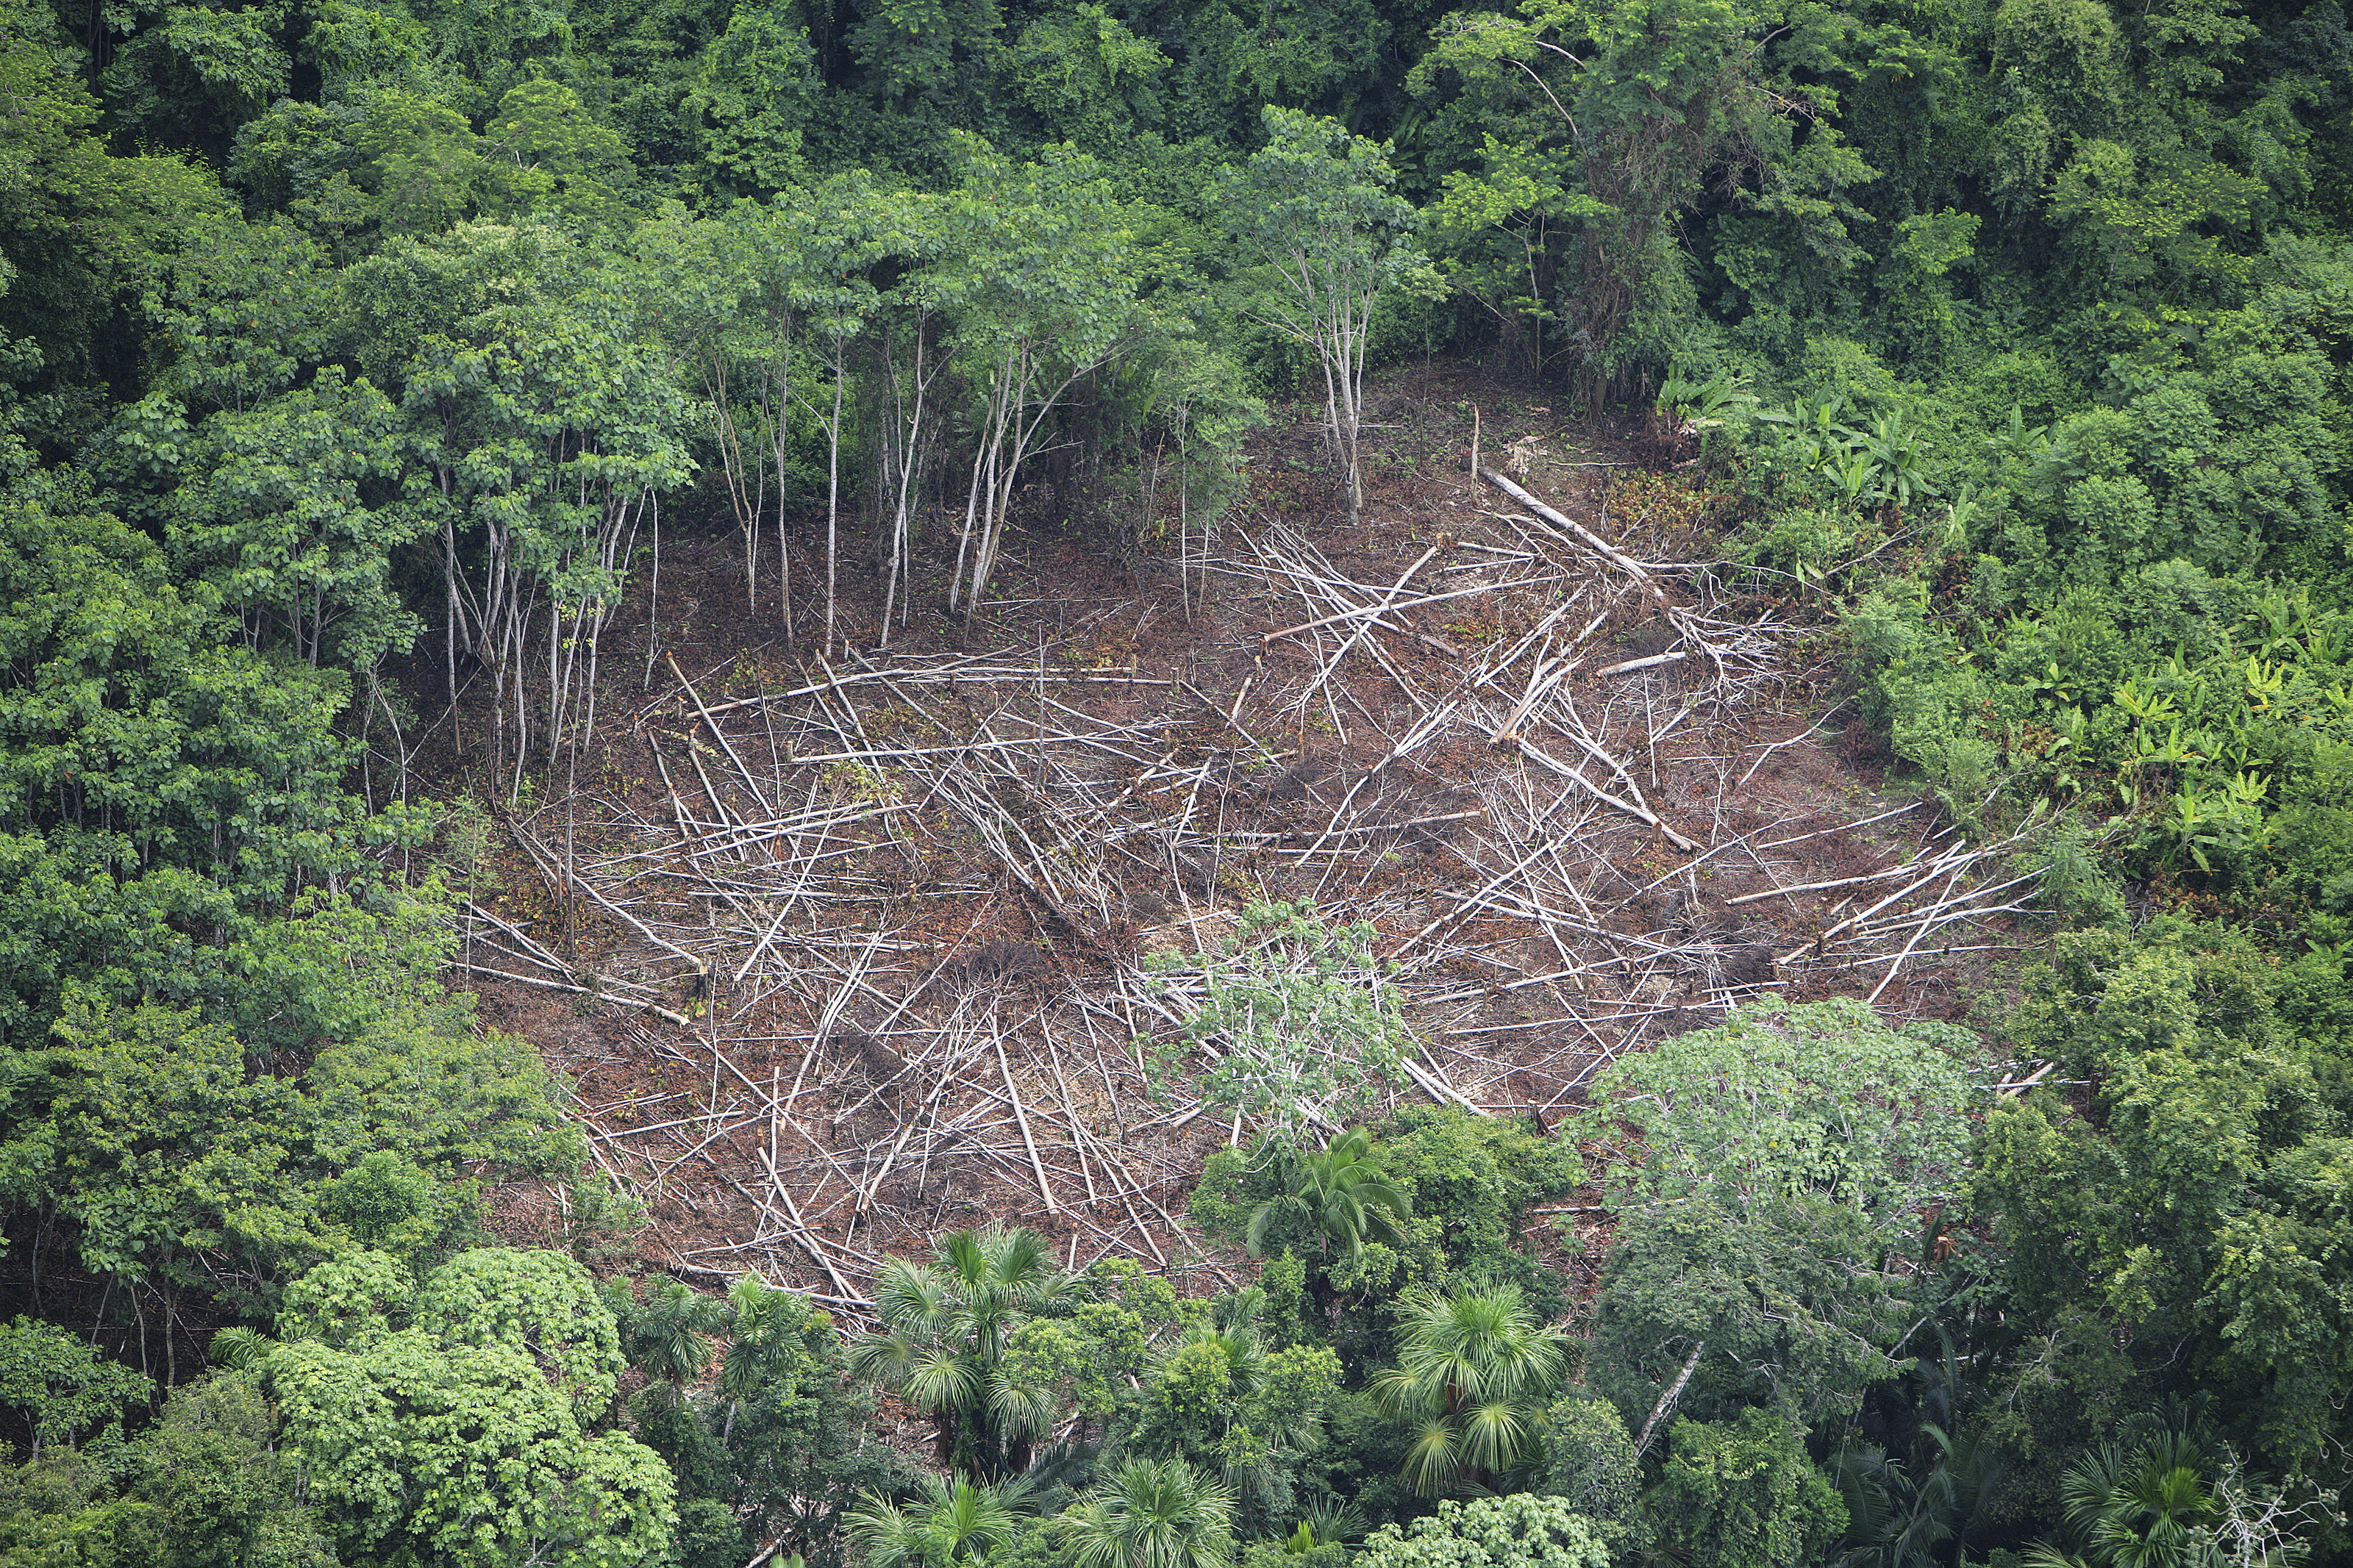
841, 953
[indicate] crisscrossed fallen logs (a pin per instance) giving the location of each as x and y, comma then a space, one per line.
885, 932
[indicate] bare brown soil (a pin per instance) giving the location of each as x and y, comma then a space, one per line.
839, 954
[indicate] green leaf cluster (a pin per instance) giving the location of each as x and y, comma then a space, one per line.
457, 1416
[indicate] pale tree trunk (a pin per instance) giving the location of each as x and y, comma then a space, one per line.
833, 491
903, 449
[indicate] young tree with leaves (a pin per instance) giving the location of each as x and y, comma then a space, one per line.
1302, 1024
843, 232
1313, 213
1519, 1529
1223, 1403
59, 1387
1043, 290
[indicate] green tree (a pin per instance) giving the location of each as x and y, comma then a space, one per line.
1771, 1238
185, 1171
167, 797
666, 1333
224, 1496
1087, 1359
754, 94
719, 297
2145, 1507
1788, 1306
777, 1447
57, 1510
1604, 127
242, 312
1224, 1405
81, 230
1337, 1195
1745, 1495
943, 1335
540, 425
192, 75
1501, 233
1474, 1176
1313, 213
59, 1386
1822, 1103
1153, 1514
1520, 1530
2185, 1203
1902, 1515
1475, 1369
931, 61
468, 1436
1084, 72
1302, 1024
417, 164
288, 509
840, 233
1591, 1465
545, 153
1042, 284
952, 1520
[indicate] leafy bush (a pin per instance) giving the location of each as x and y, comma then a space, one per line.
1475, 1175
1745, 1495
1521, 1529
1821, 1103
1591, 1464
2183, 1208
1300, 1026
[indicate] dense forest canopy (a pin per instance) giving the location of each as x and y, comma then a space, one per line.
351, 352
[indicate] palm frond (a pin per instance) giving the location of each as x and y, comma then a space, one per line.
1020, 1412
911, 1297
1432, 1462
938, 1379
965, 1256
1493, 1434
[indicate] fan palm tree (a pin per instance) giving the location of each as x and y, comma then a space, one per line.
953, 1522
1338, 1194
942, 1342
2141, 1507
1476, 1369
1153, 1513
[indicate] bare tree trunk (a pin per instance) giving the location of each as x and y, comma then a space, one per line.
833, 491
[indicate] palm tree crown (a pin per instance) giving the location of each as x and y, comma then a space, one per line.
1154, 1513
942, 1342
1339, 1193
2141, 1507
954, 1521
1476, 1369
